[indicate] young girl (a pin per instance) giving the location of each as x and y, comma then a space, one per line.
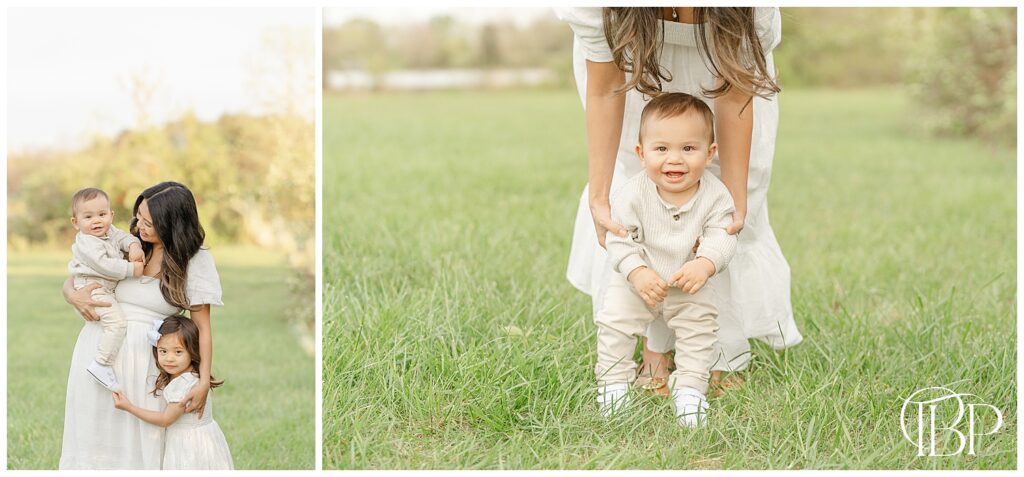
193, 441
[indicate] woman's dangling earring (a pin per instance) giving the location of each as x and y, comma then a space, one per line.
675, 15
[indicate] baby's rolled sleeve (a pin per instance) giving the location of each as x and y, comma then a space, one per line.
715, 242
92, 253
123, 239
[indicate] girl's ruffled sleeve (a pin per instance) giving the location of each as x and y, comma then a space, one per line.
768, 22
176, 390
588, 26
203, 283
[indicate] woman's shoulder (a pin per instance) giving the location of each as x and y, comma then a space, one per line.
768, 22
202, 266
585, 16
587, 24
202, 257
203, 281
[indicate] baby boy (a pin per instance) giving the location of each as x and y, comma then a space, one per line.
666, 209
97, 258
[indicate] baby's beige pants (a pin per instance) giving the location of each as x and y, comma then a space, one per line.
625, 316
111, 318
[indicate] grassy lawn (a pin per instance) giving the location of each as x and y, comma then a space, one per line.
267, 411
452, 339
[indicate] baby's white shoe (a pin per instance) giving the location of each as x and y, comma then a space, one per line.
104, 375
612, 398
691, 406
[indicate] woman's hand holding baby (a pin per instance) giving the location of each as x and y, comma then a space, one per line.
694, 274
649, 285
738, 220
81, 299
603, 223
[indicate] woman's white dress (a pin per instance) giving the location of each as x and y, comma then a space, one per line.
752, 293
97, 435
193, 442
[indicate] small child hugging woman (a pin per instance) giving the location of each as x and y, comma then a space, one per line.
193, 441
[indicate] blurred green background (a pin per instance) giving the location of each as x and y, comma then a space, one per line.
266, 407
958, 64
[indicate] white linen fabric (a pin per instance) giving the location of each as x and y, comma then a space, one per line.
753, 293
193, 442
97, 435
100, 257
661, 235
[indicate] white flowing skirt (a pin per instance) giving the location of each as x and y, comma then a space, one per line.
200, 447
96, 435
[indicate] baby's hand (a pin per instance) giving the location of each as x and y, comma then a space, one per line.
649, 285
120, 401
137, 271
694, 274
135, 253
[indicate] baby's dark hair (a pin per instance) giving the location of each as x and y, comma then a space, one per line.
89, 193
188, 332
670, 105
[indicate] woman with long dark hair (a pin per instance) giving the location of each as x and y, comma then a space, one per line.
179, 275
624, 56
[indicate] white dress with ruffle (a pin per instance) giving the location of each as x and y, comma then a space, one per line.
193, 442
752, 293
97, 435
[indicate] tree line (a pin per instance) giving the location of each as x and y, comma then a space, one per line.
957, 64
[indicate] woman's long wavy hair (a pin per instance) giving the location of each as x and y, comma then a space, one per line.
188, 333
738, 57
176, 222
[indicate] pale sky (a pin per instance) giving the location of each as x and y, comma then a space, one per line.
66, 67
411, 14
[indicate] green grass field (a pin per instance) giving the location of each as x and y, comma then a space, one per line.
266, 407
452, 339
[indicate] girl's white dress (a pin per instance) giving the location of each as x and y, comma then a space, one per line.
752, 293
97, 435
193, 442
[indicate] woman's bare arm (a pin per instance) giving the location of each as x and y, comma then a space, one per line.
603, 118
734, 127
196, 398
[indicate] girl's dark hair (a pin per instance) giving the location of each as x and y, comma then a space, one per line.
738, 57
176, 222
188, 332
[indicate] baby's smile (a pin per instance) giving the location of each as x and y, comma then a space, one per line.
674, 176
